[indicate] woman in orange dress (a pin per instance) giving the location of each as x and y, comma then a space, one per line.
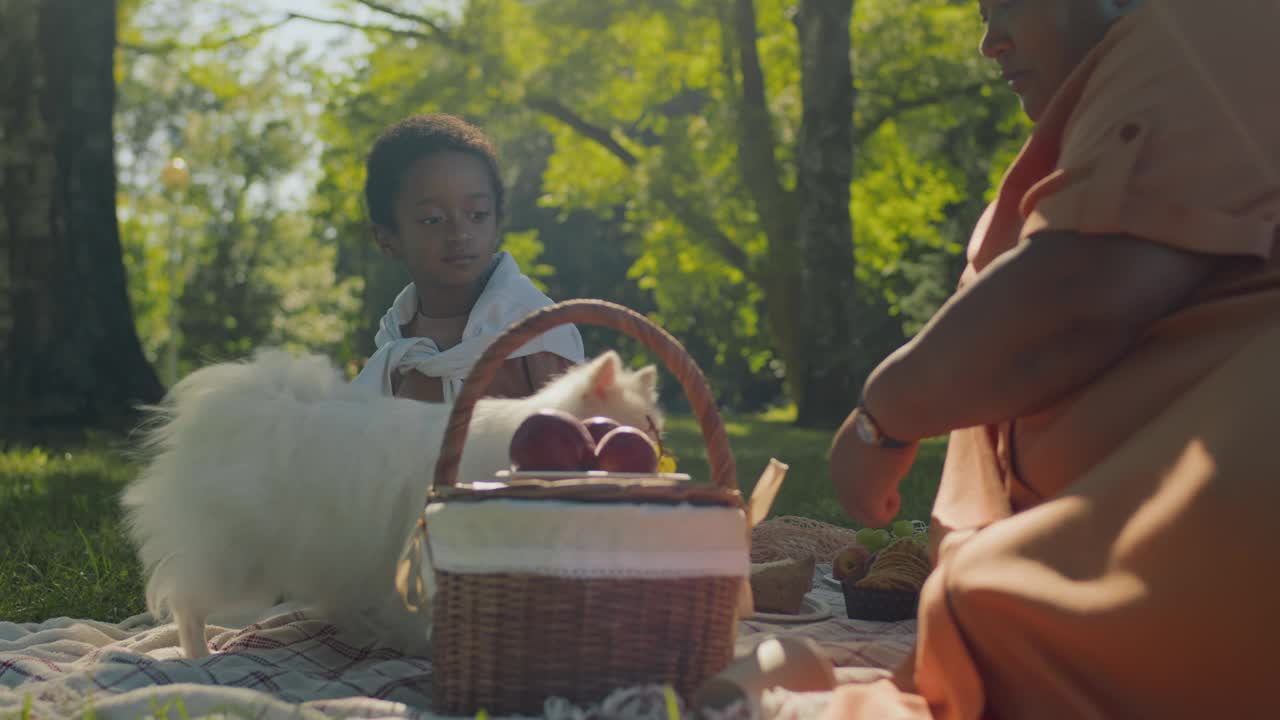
1109, 374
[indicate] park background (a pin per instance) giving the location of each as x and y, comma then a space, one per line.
788, 187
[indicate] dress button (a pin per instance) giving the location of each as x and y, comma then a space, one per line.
1129, 132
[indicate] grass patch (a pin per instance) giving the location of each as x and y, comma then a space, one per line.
63, 551
807, 490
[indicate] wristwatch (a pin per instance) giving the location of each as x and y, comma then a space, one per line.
869, 431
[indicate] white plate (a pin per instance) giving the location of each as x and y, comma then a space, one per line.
811, 610
586, 475
830, 579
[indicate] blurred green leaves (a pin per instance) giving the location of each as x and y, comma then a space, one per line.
616, 121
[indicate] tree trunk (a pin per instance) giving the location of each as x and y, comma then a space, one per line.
69, 352
775, 205
824, 162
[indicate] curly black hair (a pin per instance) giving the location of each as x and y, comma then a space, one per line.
411, 139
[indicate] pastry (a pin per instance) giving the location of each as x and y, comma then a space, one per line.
780, 586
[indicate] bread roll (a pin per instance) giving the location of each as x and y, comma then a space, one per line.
780, 586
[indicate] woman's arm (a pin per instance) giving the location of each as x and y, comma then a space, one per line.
1042, 320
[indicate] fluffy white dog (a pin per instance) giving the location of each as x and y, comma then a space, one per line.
274, 477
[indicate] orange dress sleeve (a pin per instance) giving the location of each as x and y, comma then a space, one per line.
1173, 134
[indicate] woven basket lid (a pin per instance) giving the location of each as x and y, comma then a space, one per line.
593, 487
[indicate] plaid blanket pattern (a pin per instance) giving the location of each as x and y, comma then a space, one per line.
289, 665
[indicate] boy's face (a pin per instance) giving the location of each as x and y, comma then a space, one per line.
447, 220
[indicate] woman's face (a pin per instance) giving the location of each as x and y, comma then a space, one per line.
1037, 43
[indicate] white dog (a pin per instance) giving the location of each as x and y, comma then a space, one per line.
274, 477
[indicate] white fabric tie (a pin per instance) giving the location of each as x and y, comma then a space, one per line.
508, 297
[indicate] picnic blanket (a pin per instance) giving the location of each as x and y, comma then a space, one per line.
289, 665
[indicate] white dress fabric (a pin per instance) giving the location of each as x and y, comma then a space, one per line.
508, 297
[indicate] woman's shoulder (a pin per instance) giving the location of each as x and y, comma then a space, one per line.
1179, 62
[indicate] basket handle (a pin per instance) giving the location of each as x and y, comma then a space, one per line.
605, 314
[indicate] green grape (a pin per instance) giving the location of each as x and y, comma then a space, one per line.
873, 539
903, 529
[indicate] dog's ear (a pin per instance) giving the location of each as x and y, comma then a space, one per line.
604, 374
647, 376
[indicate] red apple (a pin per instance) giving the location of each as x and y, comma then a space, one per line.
553, 441
851, 562
599, 426
627, 449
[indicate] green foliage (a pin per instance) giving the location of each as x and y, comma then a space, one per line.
920, 85
936, 125
526, 249
899, 200
604, 112
231, 251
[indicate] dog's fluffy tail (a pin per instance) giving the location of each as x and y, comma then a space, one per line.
194, 431
270, 374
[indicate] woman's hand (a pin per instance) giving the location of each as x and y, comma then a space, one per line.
866, 477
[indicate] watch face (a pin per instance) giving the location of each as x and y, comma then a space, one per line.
865, 429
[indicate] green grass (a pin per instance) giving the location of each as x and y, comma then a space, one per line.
63, 551
807, 489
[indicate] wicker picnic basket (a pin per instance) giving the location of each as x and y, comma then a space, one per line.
505, 641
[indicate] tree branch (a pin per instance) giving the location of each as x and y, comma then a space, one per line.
745, 32
440, 33
698, 223
727, 66
756, 142
596, 133
707, 228
869, 127
757, 159
436, 35
402, 14
398, 32
168, 47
